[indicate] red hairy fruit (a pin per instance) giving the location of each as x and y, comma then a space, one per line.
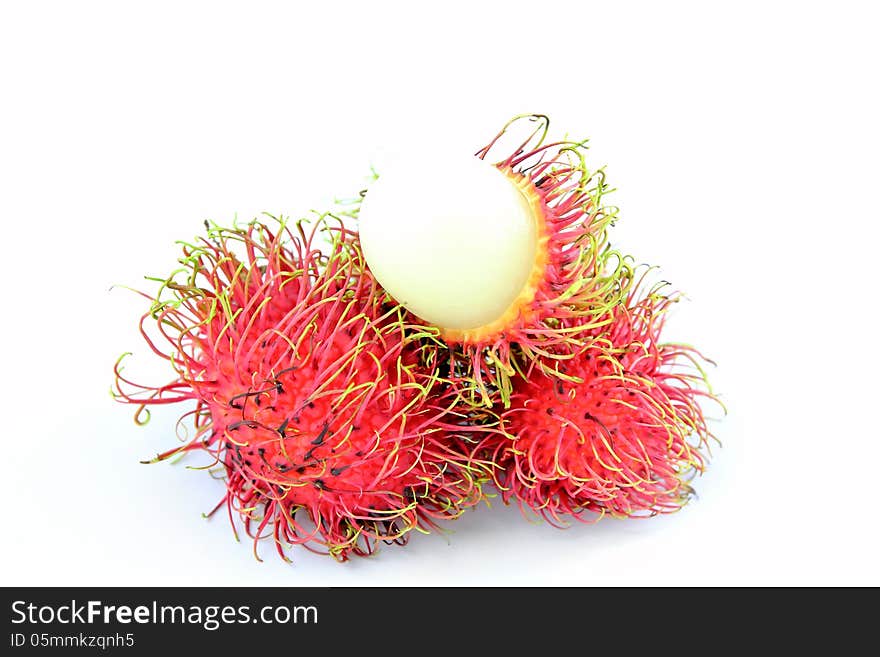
575, 277
318, 411
617, 429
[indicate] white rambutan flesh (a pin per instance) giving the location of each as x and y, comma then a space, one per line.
454, 240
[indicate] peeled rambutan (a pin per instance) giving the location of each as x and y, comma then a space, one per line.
310, 400
509, 261
619, 429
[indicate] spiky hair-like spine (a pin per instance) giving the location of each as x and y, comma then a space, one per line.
310, 401
618, 429
576, 277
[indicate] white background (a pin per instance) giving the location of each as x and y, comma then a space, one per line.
744, 144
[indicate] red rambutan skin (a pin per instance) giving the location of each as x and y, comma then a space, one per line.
576, 278
617, 429
320, 412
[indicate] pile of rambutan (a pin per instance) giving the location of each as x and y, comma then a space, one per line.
341, 408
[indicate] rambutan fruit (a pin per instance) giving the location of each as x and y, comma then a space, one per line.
618, 430
309, 399
505, 255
